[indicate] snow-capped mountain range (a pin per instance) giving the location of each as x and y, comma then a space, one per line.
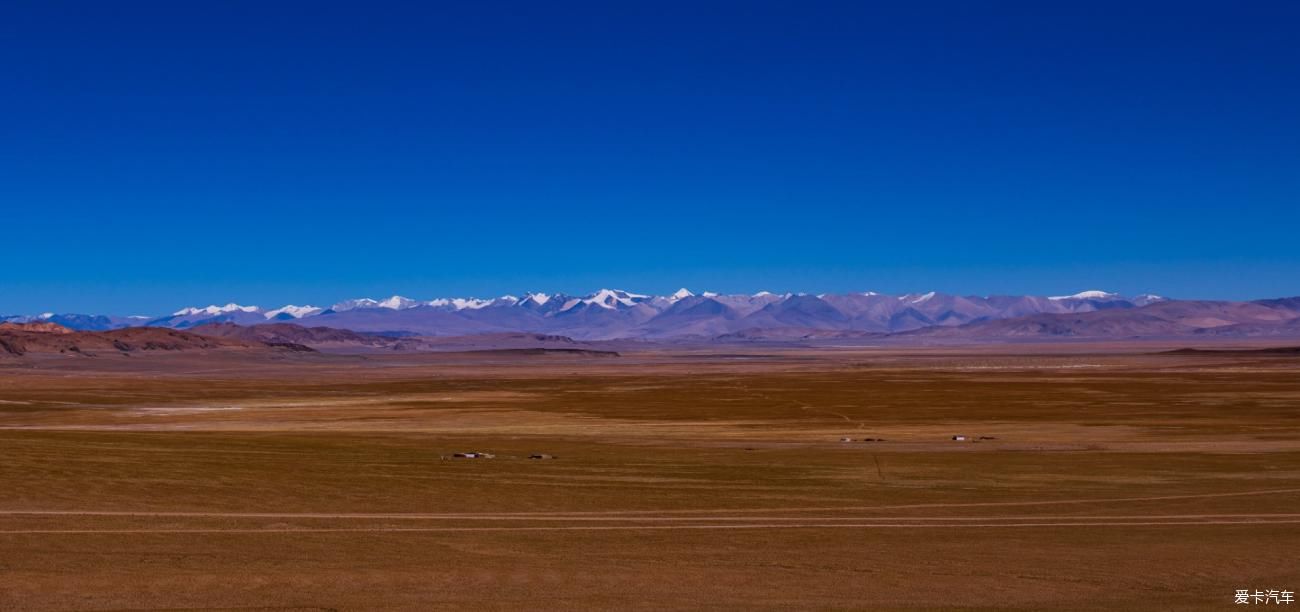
613, 313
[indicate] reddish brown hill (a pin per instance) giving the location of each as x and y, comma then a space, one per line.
35, 326
139, 339
343, 340
282, 333
1256, 330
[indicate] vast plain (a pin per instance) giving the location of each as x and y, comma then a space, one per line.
1092, 476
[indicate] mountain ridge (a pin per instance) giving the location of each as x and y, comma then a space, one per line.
610, 314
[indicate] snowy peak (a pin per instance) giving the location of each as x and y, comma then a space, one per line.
296, 312
460, 303
214, 310
347, 305
535, 299
396, 302
1147, 298
681, 294
1091, 294
470, 303
613, 298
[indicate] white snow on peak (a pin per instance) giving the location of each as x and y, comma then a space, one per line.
459, 303
709, 294
869, 294
537, 298
681, 294
354, 304
508, 299
398, 302
611, 298
47, 315
1091, 294
922, 298
763, 294
470, 303
571, 303
214, 310
606, 298
296, 312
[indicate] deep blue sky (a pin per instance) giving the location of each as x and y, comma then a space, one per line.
159, 155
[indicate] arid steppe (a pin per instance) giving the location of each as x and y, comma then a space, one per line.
1109, 476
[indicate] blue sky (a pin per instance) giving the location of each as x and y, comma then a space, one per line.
159, 155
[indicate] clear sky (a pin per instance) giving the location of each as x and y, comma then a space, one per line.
157, 155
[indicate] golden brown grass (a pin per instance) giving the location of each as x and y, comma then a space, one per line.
1117, 480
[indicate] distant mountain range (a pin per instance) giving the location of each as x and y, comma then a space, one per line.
615, 314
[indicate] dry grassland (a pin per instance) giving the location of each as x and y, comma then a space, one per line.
1114, 479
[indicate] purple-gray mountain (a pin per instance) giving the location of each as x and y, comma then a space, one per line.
613, 314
